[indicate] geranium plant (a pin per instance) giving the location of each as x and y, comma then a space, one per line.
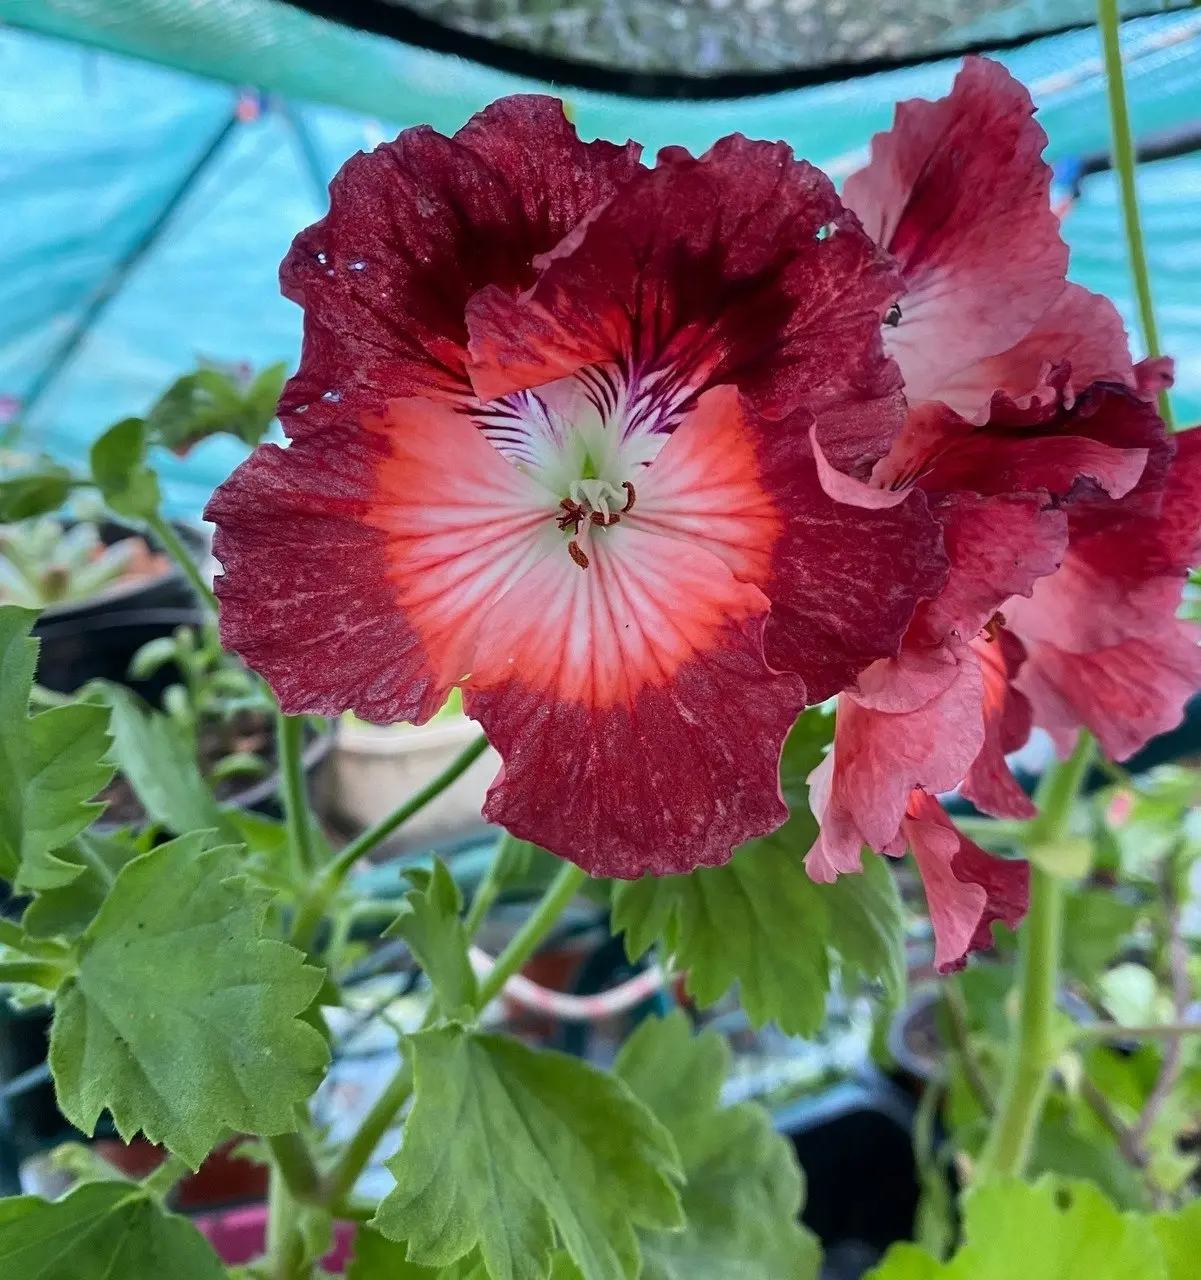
651, 463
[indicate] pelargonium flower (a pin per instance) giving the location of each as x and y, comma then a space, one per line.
550, 442
1036, 442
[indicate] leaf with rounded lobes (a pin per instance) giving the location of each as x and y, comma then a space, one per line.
759, 921
183, 1020
378, 1258
35, 494
101, 1231
505, 1147
743, 1189
118, 460
429, 921
1052, 1230
51, 765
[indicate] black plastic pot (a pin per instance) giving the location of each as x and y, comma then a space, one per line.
167, 590
855, 1144
100, 646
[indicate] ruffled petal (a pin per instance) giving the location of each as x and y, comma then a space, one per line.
1080, 331
639, 725
958, 192
1099, 446
1008, 718
966, 888
860, 790
998, 547
1125, 694
358, 563
417, 226
741, 267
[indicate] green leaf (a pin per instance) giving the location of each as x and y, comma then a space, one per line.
51, 765
541, 1143
183, 1019
1094, 925
743, 1188
101, 1231
118, 461
378, 1258
761, 922
36, 494
68, 909
1053, 1230
157, 755
1179, 1236
429, 921
210, 401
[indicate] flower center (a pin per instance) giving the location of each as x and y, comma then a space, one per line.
592, 504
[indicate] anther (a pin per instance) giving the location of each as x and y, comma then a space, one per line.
892, 317
575, 551
630, 495
992, 628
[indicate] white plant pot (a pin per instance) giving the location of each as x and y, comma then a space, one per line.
377, 767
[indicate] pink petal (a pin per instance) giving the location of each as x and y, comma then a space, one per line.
860, 790
958, 192
1126, 694
966, 888
1008, 717
1081, 331
417, 226
998, 547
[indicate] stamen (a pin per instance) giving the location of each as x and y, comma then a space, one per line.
630, 496
576, 553
992, 628
892, 317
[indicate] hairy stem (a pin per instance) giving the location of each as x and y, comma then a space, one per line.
1032, 1052
1124, 163
291, 1157
362, 1145
174, 547
525, 941
308, 920
293, 793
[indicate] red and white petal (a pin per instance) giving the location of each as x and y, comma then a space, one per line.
966, 888
843, 581
878, 758
1125, 694
417, 226
958, 192
1008, 718
357, 563
639, 725
741, 267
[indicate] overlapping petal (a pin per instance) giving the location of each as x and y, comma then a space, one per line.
958, 192
416, 227
966, 888
741, 267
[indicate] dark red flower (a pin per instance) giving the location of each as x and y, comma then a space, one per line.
550, 443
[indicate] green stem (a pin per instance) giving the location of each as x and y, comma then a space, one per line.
291, 1156
362, 1145
1153, 1031
293, 794
173, 545
487, 891
525, 941
1032, 1052
162, 1181
1124, 163
308, 920
285, 1249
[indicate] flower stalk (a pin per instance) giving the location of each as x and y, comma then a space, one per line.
1033, 1051
173, 545
1125, 166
